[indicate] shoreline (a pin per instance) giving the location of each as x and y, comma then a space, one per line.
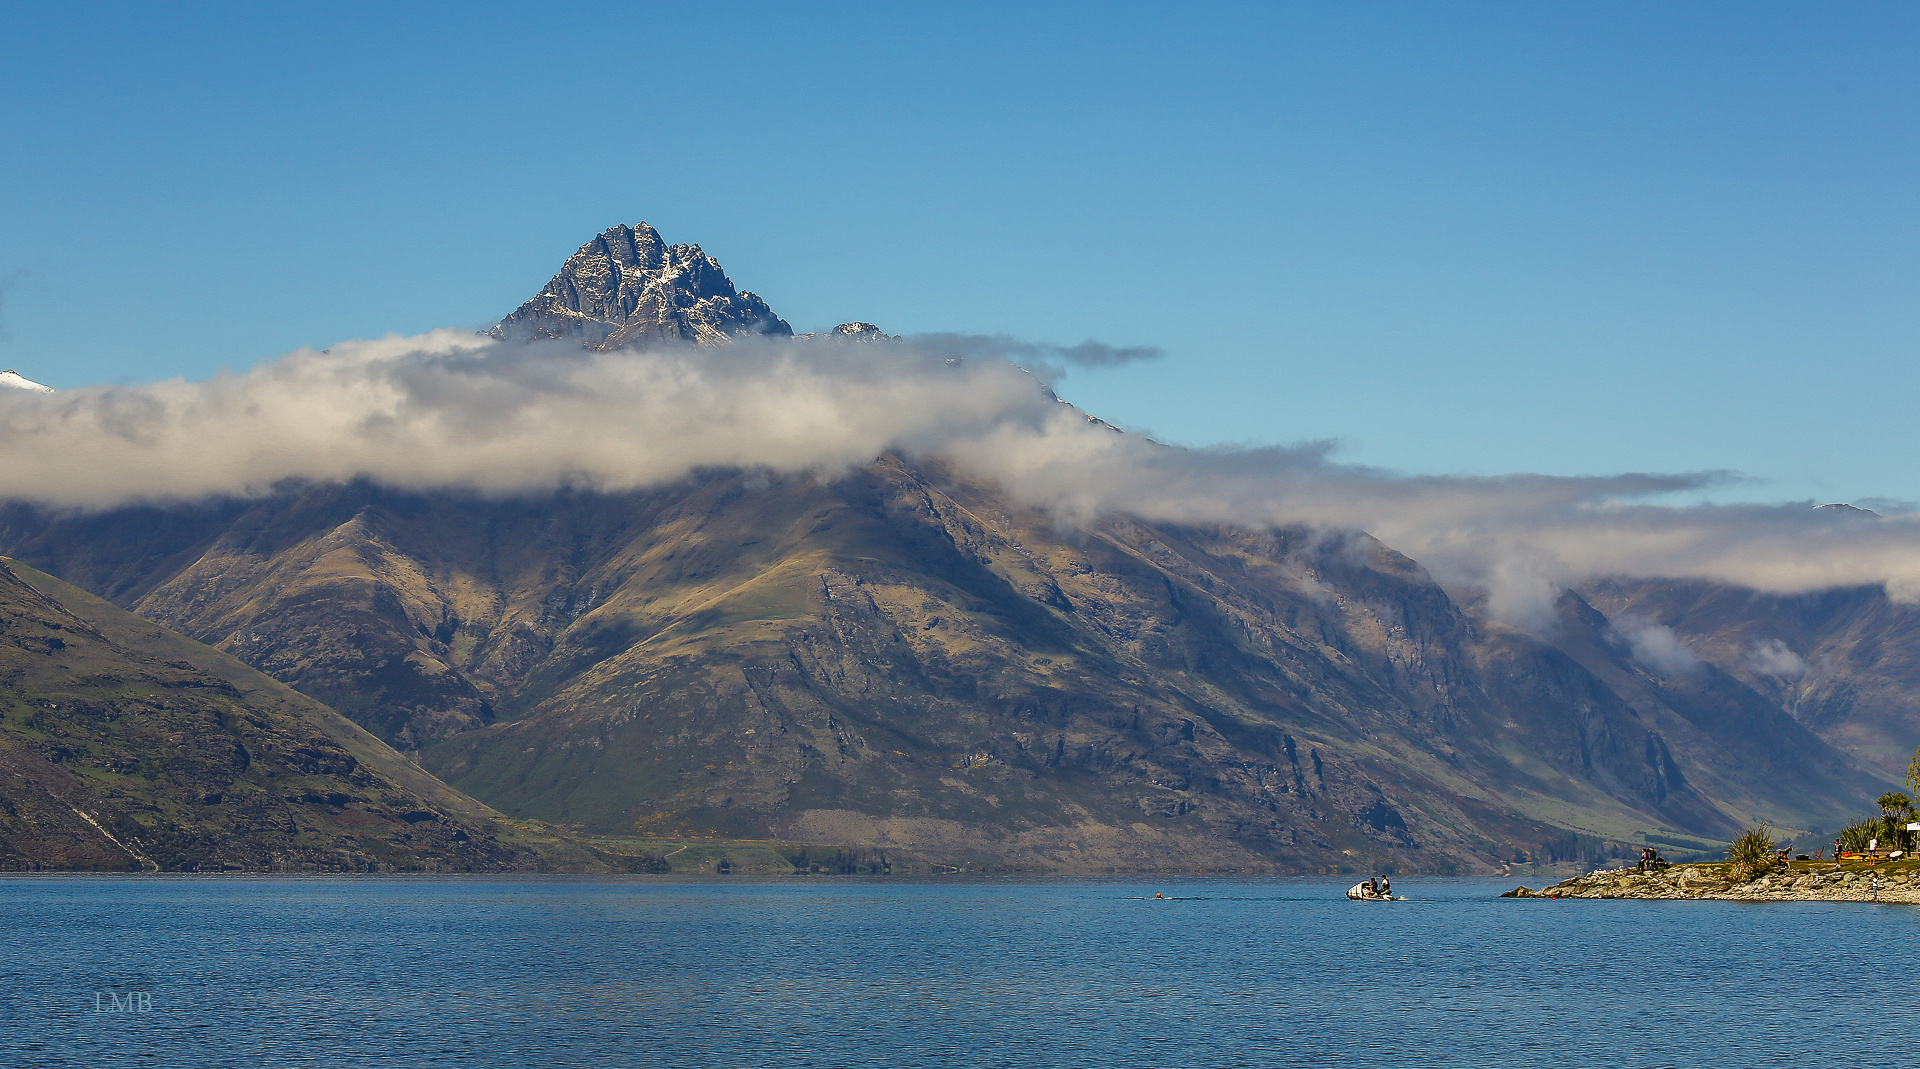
1802, 881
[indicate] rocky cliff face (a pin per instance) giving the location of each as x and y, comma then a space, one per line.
629, 287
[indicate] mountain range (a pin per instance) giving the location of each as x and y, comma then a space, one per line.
906, 659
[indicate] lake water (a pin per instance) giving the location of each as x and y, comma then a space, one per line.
653, 971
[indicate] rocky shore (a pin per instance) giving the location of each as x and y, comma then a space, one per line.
1803, 882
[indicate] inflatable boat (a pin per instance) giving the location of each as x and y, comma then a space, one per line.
1360, 892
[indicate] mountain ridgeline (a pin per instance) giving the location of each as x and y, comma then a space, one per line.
905, 659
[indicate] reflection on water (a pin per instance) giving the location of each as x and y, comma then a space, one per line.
650, 971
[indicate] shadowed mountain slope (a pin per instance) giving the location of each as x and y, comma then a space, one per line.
125, 746
901, 658
1842, 662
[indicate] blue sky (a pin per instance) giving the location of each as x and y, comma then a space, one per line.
1457, 238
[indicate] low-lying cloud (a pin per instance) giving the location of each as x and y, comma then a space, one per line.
1771, 657
452, 409
1657, 646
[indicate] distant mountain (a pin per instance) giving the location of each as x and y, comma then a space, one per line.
905, 658
629, 287
1844, 662
125, 746
855, 332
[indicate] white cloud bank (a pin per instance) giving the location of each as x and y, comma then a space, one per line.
453, 409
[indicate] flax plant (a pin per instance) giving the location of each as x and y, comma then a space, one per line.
1752, 854
1855, 836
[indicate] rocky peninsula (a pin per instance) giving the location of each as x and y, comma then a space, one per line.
1803, 881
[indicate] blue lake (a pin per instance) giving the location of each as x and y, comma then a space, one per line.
650, 971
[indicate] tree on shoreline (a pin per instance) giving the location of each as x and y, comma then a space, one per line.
1896, 812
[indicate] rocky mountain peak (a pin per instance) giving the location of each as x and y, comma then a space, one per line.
862, 332
628, 287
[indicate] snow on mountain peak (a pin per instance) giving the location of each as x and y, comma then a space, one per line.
18, 381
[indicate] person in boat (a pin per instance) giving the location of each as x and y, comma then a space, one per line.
1386, 886
1373, 887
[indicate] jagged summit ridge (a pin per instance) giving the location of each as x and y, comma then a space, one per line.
628, 287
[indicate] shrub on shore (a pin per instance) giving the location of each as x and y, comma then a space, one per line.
1751, 856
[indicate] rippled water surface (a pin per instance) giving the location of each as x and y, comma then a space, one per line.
816, 972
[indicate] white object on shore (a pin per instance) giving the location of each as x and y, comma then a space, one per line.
18, 381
